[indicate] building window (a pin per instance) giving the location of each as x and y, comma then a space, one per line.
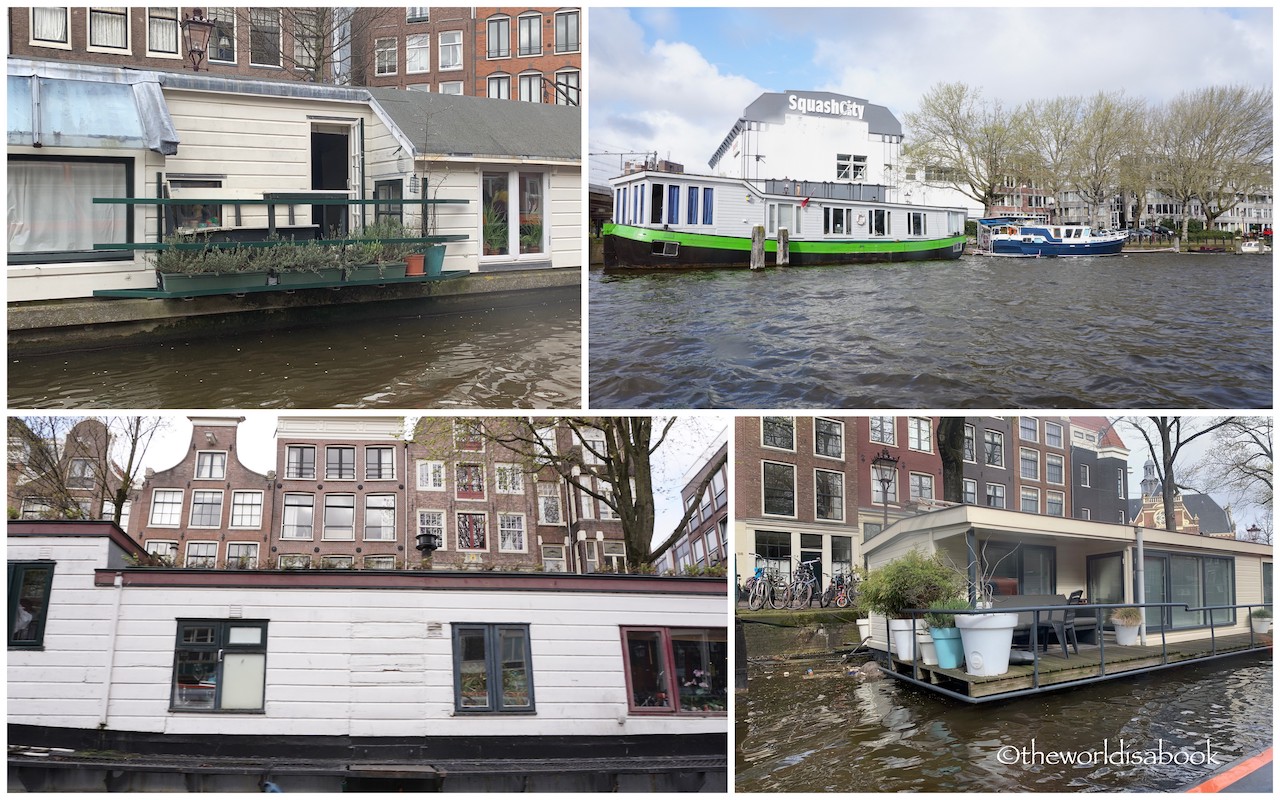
1084, 475
166, 508
531, 87
969, 491
468, 434
828, 495
49, 26
431, 476
472, 532
246, 510
828, 438
417, 53
385, 52
30, 583
219, 665
340, 463
995, 495
300, 462
779, 489
492, 669
921, 486
242, 555
499, 87
162, 31
211, 466
994, 448
778, 432
1031, 500
970, 452
80, 474
1053, 468
882, 431
879, 219
388, 190
417, 14
1029, 463
299, 513
595, 446
676, 670
451, 87
1084, 513
498, 37
206, 509
568, 39
568, 93
201, 555
379, 562
917, 224
470, 481
379, 463
553, 558
294, 562
307, 39
530, 32
708, 196
380, 518
432, 523
54, 216
880, 495
920, 434
36, 508
549, 504
1055, 504
508, 478
1120, 483
340, 517
1028, 429
109, 28
264, 37
511, 533
222, 42
1053, 434
451, 50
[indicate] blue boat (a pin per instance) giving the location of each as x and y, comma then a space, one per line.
1009, 236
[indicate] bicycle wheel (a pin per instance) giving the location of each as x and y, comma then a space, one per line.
779, 595
827, 597
747, 588
801, 595
755, 601
842, 599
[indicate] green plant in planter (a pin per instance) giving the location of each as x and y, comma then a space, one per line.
531, 237
956, 603
1260, 613
494, 230
1126, 616
912, 581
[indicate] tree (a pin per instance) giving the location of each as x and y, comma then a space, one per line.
77, 465
1239, 463
950, 436
1166, 437
1103, 140
319, 44
618, 450
976, 144
1053, 128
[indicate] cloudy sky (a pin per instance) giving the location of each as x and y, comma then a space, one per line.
675, 80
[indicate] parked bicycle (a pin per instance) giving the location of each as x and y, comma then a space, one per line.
803, 587
844, 590
756, 587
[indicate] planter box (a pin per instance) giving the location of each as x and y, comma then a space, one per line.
373, 272
179, 282
333, 275
987, 640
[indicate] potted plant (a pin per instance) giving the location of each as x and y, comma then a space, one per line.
1126, 622
1260, 620
494, 231
377, 255
910, 582
185, 264
945, 634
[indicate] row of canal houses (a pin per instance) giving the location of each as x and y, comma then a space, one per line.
511, 659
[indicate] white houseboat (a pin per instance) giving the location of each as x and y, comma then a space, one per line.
152, 679
852, 207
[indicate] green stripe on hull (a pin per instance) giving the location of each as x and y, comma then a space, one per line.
742, 244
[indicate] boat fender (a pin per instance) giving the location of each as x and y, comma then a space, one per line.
862, 219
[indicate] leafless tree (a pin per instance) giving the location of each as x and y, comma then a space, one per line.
1166, 437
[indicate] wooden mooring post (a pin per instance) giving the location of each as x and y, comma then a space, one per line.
784, 247
757, 247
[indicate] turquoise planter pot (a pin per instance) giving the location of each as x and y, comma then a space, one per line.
949, 645
434, 265
175, 282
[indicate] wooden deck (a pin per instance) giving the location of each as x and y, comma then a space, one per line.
1055, 672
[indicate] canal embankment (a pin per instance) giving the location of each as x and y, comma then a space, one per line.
59, 326
798, 634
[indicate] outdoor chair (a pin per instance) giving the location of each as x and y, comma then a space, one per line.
1063, 623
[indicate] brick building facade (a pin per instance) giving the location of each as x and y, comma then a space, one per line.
705, 541
529, 54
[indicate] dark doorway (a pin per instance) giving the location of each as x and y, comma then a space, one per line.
330, 170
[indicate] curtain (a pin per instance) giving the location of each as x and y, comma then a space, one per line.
49, 24
51, 206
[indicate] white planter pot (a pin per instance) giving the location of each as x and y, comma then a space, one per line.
864, 630
987, 640
1126, 635
1260, 624
900, 631
928, 653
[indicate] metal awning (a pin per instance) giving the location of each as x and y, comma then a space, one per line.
88, 109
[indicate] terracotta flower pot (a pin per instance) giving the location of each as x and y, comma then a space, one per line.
415, 264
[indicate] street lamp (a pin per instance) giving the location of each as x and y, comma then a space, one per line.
886, 470
196, 31
428, 543
1254, 531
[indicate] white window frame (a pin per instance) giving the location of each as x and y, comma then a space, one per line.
176, 53
253, 559
214, 15
775, 447
551, 562
450, 87
288, 449
969, 488
355, 466
1029, 493
440, 528
839, 428
293, 561
457, 520
918, 479
506, 517
533, 21
151, 512
186, 556
382, 64
375, 562
325, 536
1003, 495
237, 503
443, 47
1061, 441
379, 448
555, 31
795, 498
417, 53
502, 81
433, 469
1085, 477
999, 437
530, 86
914, 440
840, 481
877, 491
1035, 429
1062, 503
504, 52
1023, 452
508, 478
367, 508
200, 454
284, 510
572, 89
1051, 458
126, 49
971, 437
279, 43
547, 491
891, 438
59, 44
457, 483
164, 548
80, 474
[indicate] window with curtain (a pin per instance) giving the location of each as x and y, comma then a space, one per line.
222, 42
52, 216
417, 53
162, 30
568, 87
49, 26
109, 27
219, 665
530, 32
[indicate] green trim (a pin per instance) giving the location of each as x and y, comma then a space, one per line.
743, 244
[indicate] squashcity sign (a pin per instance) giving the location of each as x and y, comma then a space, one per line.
828, 106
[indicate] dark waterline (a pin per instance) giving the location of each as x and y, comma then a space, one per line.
1153, 330
831, 734
525, 357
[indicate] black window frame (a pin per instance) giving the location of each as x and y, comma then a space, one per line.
17, 580
777, 492
220, 646
72, 256
493, 666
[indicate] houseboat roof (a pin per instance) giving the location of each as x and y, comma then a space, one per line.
461, 126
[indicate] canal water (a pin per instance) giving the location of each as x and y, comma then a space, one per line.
1147, 330
523, 357
829, 733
